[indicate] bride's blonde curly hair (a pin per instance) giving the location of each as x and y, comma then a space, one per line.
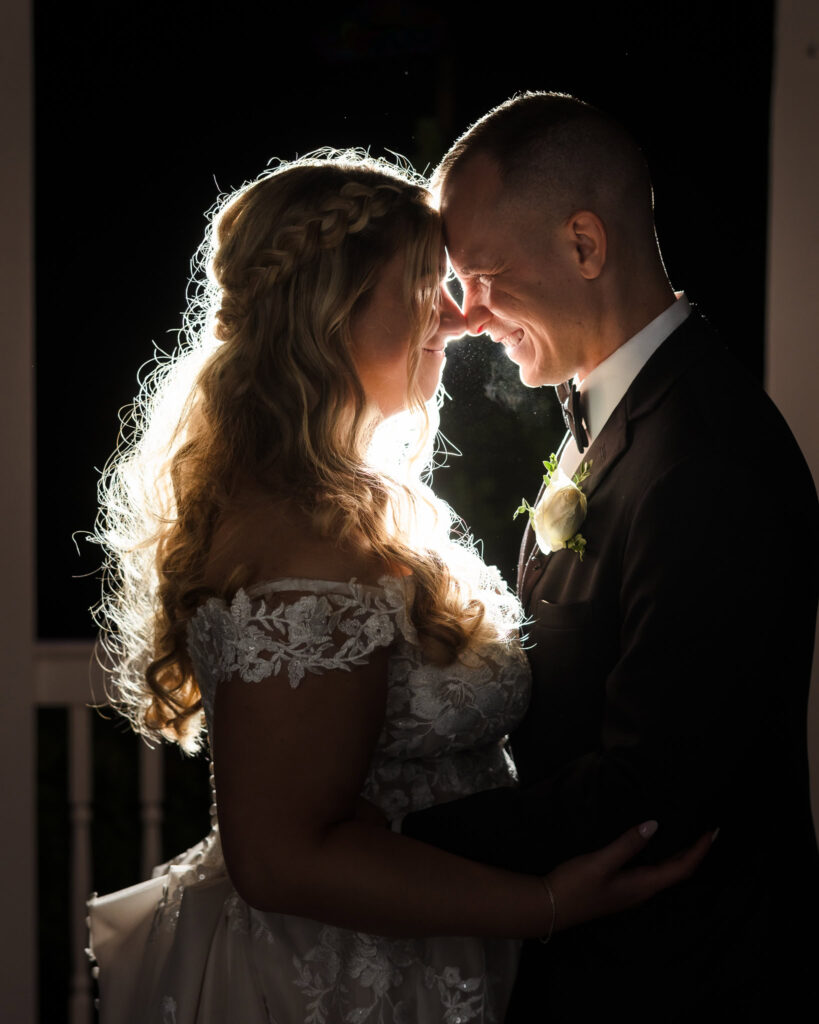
263, 389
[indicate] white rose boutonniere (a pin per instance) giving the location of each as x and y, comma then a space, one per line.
561, 510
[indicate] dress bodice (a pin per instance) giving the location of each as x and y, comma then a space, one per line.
444, 725
201, 954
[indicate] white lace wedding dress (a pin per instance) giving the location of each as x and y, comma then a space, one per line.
183, 947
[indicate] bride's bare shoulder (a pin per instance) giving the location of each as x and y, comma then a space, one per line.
265, 538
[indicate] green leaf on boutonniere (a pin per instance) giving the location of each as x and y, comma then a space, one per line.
577, 544
582, 472
550, 465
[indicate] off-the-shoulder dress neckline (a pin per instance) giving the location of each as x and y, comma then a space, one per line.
311, 583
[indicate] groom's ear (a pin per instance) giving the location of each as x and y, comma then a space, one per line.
588, 237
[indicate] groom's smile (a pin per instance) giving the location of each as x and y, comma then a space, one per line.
519, 273
510, 341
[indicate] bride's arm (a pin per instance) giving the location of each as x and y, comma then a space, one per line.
290, 763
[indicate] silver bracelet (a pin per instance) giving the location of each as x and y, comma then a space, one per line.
545, 938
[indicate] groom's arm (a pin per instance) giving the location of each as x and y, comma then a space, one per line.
714, 658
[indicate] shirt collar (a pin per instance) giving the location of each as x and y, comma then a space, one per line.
603, 388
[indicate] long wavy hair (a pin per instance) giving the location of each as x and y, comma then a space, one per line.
263, 388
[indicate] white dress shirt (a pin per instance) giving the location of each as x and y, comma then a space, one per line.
611, 379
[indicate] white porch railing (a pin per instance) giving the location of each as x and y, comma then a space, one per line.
67, 675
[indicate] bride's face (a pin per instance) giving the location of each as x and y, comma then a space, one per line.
382, 337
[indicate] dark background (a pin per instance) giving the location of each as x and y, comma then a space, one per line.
144, 114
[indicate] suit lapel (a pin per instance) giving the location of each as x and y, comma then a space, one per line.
606, 449
531, 560
602, 454
692, 341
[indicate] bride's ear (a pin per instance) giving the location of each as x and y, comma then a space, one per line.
588, 236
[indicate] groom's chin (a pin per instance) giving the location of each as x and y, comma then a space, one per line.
533, 378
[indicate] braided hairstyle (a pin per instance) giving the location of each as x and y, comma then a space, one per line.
264, 391
294, 257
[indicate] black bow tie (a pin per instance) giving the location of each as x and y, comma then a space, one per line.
571, 405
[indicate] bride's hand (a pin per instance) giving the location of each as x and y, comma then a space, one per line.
599, 883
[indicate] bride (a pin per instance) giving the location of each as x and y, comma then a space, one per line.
285, 588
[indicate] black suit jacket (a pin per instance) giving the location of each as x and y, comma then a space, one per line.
670, 679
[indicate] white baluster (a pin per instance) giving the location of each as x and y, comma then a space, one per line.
79, 797
150, 802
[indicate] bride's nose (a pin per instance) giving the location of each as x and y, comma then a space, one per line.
453, 322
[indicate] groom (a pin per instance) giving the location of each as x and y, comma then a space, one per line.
671, 663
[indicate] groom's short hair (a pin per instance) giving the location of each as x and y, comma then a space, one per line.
564, 151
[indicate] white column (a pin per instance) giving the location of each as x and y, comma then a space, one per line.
792, 346
17, 707
80, 810
67, 675
150, 802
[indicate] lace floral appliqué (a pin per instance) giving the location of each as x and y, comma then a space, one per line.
315, 633
346, 968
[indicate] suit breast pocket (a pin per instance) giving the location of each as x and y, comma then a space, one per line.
564, 643
568, 650
572, 616
572, 647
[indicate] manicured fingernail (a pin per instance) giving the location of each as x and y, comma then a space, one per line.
714, 835
647, 829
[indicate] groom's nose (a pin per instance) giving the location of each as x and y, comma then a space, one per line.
476, 314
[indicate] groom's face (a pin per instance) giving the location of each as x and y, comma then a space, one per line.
518, 271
